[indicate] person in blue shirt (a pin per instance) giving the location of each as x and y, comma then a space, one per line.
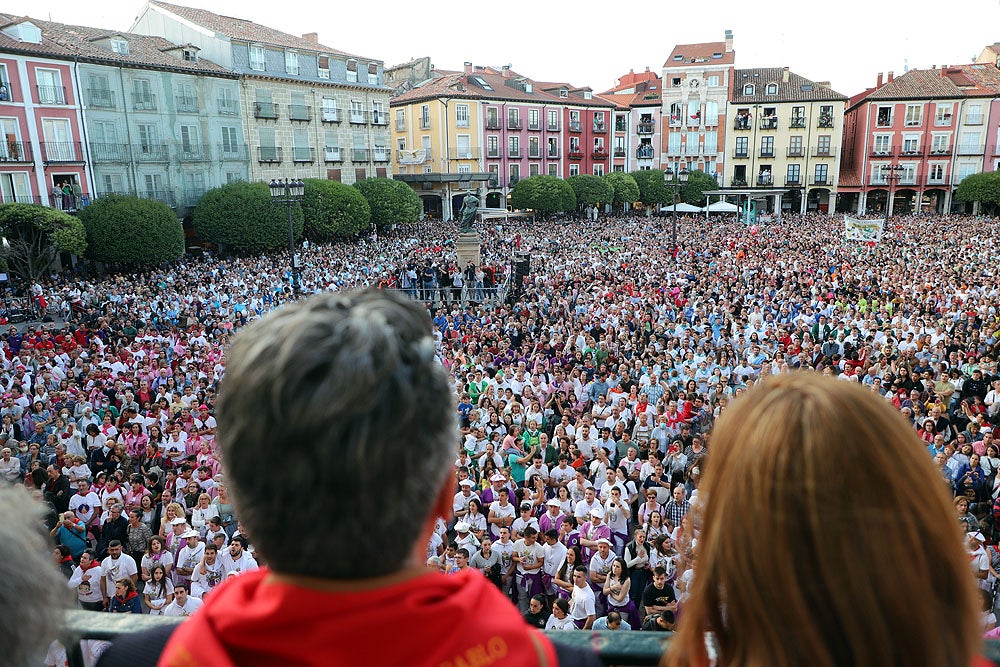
613, 621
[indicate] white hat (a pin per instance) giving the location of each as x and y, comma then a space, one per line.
978, 536
178, 521
462, 527
598, 511
605, 540
554, 503
190, 533
497, 477
465, 482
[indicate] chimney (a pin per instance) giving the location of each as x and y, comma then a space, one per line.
468, 68
729, 41
784, 75
505, 71
878, 81
647, 68
890, 77
312, 37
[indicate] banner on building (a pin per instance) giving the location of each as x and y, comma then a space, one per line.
863, 230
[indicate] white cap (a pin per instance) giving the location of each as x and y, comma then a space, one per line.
462, 527
978, 536
598, 511
498, 478
190, 533
178, 521
465, 482
605, 540
554, 503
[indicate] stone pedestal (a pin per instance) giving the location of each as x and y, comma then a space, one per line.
467, 249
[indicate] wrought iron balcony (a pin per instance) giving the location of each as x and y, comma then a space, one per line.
739, 123
646, 128
513, 123
6, 92
821, 180
600, 128
300, 112
150, 153
265, 110
826, 121
330, 115
193, 153
165, 196
970, 149
186, 103
110, 153
797, 122
553, 153
599, 154
793, 181
361, 117
575, 126
769, 123
303, 154
144, 101
882, 152
62, 151
380, 154
794, 151
514, 152
552, 127
101, 98
911, 152
534, 153
492, 124
16, 151
947, 151
382, 118
467, 153
269, 154
534, 126
937, 180
622, 126
766, 152
233, 152
425, 123
359, 155
619, 152
741, 153
765, 180
51, 94
332, 154
575, 154
828, 151
644, 152
228, 107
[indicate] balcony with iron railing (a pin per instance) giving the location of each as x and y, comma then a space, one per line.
946, 151
332, 154
797, 122
821, 181
910, 151
825, 121
186, 104
51, 94
425, 123
882, 152
359, 155
101, 98
381, 154
62, 151
824, 151
300, 113
646, 128
913, 178
644, 152
618, 152
189, 152
741, 153
575, 126
970, 149
513, 123
794, 151
228, 107
331, 115
150, 153
18, 152
534, 153
15, 198
361, 117
793, 181
937, 180
737, 183
144, 101
766, 152
492, 124
765, 180
575, 154
974, 119
552, 127
110, 153
675, 150
943, 120
600, 128
269, 154
492, 153
382, 118
553, 153
233, 152
192, 196
513, 152
165, 196
303, 154
265, 110
6, 92
740, 123
769, 123
599, 154
621, 125
534, 126
694, 150
466, 153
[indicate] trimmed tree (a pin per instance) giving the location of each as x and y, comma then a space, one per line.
36, 234
983, 188
544, 194
652, 190
241, 216
624, 187
126, 230
698, 182
590, 190
333, 210
391, 202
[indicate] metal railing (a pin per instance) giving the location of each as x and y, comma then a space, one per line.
381, 154
144, 101
330, 115
150, 153
303, 154
797, 122
769, 123
491, 124
62, 151
16, 151
575, 154
793, 181
552, 127
765, 180
941, 180
619, 152
470, 153
228, 107
739, 124
644, 152
382, 118
193, 153
889, 152
513, 123
361, 117
51, 94
332, 154
101, 98
186, 103
110, 153
575, 126
534, 126
165, 196
741, 153
825, 122
514, 152
828, 151
601, 154
820, 180
600, 128
359, 155
794, 151
6, 92
265, 110
425, 124
766, 152
299, 112
969, 149
233, 152
269, 154
646, 128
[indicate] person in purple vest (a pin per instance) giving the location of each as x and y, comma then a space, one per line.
552, 518
592, 531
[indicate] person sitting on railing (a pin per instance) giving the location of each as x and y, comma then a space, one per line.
303, 367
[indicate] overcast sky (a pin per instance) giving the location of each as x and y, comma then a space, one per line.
593, 43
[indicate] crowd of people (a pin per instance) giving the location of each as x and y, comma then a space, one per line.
586, 398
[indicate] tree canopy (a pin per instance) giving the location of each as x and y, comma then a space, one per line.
652, 190
590, 190
122, 229
545, 194
333, 210
698, 182
35, 234
983, 188
241, 216
623, 186
391, 202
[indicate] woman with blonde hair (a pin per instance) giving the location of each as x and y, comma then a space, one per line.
818, 492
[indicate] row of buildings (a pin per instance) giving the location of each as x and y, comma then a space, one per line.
184, 101
187, 100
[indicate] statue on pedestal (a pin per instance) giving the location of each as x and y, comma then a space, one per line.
467, 216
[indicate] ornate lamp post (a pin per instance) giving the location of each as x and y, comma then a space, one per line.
289, 192
675, 182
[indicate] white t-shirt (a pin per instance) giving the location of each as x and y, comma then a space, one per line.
556, 624
114, 569
84, 506
191, 606
156, 596
582, 603
245, 563
529, 555
166, 560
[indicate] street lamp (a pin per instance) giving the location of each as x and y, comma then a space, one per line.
890, 172
288, 192
675, 183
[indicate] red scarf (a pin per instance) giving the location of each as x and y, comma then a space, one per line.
460, 619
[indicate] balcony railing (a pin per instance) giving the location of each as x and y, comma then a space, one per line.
909, 179
514, 152
769, 123
492, 124
265, 110
741, 153
794, 151
150, 153
233, 152
797, 122
194, 153
380, 154
646, 128
575, 154
110, 153
821, 180
943, 121
513, 123
165, 196
269, 154
186, 103
330, 115
300, 112
826, 121
697, 149
882, 152
644, 152
738, 124
382, 118
974, 119
16, 151
144, 101
494, 181
492, 154
332, 154
766, 152
600, 128
765, 180
360, 117
467, 153
51, 94
534, 153
738, 183
970, 149
619, 152
62, 151
534, 126
937, 180
824, 151
191, 197
575, 126
101, 98
947, 151
228, 107
675, 151
553, 153
599, 154
912, 151
793, 181
622, 126
552, 127
6, 92
359, 155
302, 154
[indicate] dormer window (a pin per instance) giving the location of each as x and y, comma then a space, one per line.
190, 55
772, 89
352, 70
748, 89
563, 93
678, 58
25, 32
119, 46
